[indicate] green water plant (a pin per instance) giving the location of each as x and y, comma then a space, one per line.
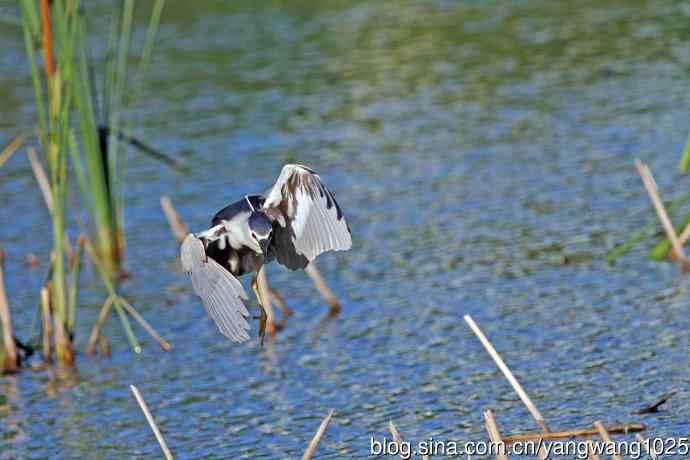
78, 134
662, 249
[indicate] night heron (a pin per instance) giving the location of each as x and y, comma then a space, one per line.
295, 221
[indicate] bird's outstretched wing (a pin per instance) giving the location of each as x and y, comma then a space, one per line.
310, 219
220, 292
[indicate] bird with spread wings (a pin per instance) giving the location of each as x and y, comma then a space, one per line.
294, 222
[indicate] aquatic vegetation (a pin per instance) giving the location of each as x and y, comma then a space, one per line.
663, 248
77, 135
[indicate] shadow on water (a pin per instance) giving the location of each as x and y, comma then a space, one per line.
474, 148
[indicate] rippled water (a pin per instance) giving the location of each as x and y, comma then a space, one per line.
474, 147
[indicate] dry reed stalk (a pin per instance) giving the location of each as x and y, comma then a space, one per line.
626, 428
653, 192
41, 178
63, 345
10, 356
152, 422
280, 301
495, 435
606, 437
396, 437
104, 346
47, 329
591, 455
11, 148
178, 227
96, 329
315, 275
652, 454
684, 235
44, 185
317, 436
164, 344
507, 373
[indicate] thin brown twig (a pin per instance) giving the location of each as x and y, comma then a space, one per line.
507, 373
63, 345
651, 452
321, 286
495, 435
152, 422
606, 437
684, 235
178, 227
41, 178
311, 448
590, 451
280, 301
626, 428
164, 344
44, 186
396, 437
653, 192
47, 328
10, 357
11, 148
96, 329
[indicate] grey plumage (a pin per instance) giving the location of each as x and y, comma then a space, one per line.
297, 220
222, 294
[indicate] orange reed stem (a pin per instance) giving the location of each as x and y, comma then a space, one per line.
47, 38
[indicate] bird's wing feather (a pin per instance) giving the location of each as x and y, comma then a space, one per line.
310, 219
220, 292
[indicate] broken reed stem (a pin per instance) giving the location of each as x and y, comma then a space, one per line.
685, 234
75, 268
606, 437
507, 373
313, 272
178, 227
280, 301
11, 148
115, 298
626, 428
652, 454
45, 316
396, 436
590, 451
104, 346
152, 422
10, 356
653, 192
96, 329
44, 185
495, 435
62, 342
317, 436
164, 344
41, 178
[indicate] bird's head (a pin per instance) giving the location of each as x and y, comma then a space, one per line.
261, 231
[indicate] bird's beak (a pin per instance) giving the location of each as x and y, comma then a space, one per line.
264, 245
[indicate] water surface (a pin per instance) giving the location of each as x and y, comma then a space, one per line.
482, 153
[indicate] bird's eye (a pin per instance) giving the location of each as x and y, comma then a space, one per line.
253, 235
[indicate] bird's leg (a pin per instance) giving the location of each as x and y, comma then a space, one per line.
265, 300
262, 314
